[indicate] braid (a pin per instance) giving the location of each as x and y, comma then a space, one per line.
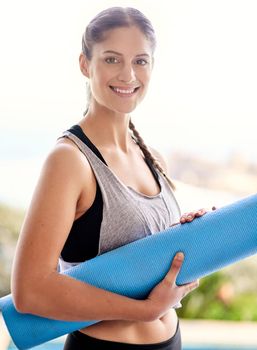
147, 153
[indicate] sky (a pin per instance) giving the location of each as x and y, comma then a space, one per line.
201, 99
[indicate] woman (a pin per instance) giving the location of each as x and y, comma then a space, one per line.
102, 187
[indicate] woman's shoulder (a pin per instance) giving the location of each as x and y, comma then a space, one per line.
66, 160
67, 153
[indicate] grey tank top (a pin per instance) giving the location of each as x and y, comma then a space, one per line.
127, 214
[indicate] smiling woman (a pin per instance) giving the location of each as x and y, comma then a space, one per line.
101, 187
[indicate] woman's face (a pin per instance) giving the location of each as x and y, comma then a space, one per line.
120, 69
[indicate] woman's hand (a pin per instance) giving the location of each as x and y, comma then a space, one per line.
188, 217
167, 294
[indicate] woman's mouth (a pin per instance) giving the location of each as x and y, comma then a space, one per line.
124, 92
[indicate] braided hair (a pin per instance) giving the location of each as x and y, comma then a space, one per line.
148, 154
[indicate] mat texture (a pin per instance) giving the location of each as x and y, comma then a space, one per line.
211, 242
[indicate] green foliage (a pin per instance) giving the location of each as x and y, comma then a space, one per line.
209, 301
10, 225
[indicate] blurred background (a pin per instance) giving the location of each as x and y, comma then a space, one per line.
200, 113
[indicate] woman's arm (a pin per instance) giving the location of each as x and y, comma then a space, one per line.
36, 285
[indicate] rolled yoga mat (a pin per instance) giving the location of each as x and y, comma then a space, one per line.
209, 243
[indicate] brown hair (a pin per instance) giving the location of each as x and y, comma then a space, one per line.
148, 154
116, 17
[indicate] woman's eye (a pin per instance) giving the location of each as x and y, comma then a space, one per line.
111, 60
142, 62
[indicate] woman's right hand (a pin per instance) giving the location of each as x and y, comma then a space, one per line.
167, 294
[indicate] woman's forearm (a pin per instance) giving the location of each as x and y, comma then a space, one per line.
64, 298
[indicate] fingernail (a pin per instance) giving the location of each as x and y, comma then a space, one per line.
180, 256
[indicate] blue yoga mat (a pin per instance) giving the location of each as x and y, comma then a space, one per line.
211, 242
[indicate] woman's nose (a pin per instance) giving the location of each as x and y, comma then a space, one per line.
127, 74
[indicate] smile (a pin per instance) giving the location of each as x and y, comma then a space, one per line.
123, 91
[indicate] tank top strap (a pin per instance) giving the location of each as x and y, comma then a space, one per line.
101, 171
77, 130
85, 149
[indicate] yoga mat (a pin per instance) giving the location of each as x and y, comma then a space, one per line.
211, 242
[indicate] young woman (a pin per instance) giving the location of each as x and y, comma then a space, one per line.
101, 187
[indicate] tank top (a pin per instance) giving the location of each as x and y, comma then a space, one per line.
119, 214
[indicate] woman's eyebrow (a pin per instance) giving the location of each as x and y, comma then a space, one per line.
120, 54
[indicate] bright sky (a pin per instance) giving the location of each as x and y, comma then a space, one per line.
202, 96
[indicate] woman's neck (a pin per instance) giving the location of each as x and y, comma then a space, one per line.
107, 129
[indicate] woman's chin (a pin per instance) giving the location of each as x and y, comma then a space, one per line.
123, 109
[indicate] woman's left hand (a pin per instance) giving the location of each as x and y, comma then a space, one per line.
188, 217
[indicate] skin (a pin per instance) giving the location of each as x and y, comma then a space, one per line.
66, 190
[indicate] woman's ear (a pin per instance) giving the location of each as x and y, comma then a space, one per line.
83, 63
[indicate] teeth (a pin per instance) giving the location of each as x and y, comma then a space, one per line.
123, 91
